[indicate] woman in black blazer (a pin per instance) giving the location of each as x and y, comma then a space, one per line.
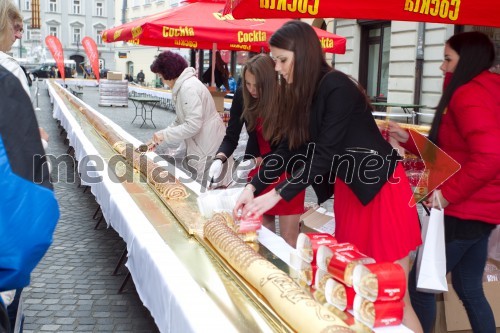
325, 122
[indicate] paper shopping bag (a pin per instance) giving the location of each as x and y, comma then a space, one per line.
431, 260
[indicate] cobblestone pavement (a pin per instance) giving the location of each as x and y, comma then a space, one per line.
72, 289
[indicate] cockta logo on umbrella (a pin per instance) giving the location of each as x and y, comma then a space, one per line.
117, 34
254, 36
442, 8
169, 32
136, 31
301, 6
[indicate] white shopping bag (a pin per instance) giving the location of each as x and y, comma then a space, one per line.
431, 260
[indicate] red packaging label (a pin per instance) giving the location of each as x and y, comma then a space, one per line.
315, 240
346, 260
388, 313
249, 224
391, 280
378, 314
335, 296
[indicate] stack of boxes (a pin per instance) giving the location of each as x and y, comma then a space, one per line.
113, 91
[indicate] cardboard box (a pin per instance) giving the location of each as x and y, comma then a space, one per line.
218, 97
115, 76
456, 317
319, 220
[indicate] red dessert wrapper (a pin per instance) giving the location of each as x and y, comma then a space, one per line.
378, 314
339, 295
308, 244
342, 264
249, 224
383, 281
325, 253
301, 270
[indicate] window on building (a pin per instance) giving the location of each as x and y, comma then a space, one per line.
53, 6
53, 31
77, 35
147, 2
174, 3
99, 7
76, 7
33, 35
374, 59
98, 37
27, 4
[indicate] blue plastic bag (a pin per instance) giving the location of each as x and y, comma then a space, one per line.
28, 217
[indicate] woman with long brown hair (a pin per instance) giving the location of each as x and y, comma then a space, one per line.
254, 105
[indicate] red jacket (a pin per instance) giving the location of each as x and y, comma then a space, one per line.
470, 133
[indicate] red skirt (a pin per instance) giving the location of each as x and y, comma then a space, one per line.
292, 207
387, 228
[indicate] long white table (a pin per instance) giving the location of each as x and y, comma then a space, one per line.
150, 261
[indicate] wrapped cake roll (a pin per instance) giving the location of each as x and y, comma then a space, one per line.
325, 253
384, 281
302, 271
294, 305
308, 244
320, 279
247, 234
342, 263
339, 295
377, 314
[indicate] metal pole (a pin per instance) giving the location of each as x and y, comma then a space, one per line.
20, 39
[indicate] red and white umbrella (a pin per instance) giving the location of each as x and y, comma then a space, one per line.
200, 24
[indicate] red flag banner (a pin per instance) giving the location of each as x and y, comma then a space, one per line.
473, 12
56, 50
90, 48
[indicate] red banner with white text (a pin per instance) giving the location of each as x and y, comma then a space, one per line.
473, 12
90, 48
55, 48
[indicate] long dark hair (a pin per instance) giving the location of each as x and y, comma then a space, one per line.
264, 106
309, 67
476, 54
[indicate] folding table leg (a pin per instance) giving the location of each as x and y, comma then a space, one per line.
96, 212
120, 262
99, 222
124, 283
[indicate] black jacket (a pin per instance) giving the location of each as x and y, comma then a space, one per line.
346, 141
233, 130
20, 133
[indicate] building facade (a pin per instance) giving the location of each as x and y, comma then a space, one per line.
70, 21
396, 61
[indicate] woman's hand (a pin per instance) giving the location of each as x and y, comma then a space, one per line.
261, 204
433, 202
155, 141
397, 132
244, 199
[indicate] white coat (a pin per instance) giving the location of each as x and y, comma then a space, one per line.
197, 123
